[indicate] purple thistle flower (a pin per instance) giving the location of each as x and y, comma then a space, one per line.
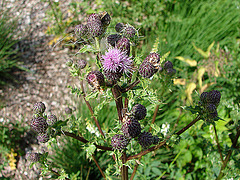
115, 61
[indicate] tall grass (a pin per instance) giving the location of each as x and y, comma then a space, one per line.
8, 55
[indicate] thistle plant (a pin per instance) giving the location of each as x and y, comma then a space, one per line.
121, 77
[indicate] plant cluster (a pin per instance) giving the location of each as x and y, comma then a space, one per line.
121, 76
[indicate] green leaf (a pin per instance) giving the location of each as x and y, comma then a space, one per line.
88, 48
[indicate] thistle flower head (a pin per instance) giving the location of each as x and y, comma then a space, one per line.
139, 111
39, 124
51, 119
39, 107
115, 61
145, 139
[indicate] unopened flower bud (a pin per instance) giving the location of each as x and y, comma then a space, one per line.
129, 32
43, 138
204, 97
119, 142
80, 30
139, 111
145, 139
94, 25
51, 119
147, 70
81, 64
153, 58
214, 97
95, 79
39, 107
168, 65
105, 19
124, 45
170, 72
131, 128
33, 157
113, 39
39, 124
119, 27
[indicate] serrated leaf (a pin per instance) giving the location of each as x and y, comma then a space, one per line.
156, 171
163, 58
87, 48
155, 127
92, 95
155, 45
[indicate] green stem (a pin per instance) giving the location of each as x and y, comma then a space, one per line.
55, 15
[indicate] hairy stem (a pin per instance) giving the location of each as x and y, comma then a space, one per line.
91, 110
189, 125
218, 145
135, 169
132, 85
234, 145
124, 169
105, 148
118, 100
154, 117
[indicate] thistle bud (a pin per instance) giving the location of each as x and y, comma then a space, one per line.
119, 27
156, 140
51, 119
168, 65
119, 142
139, 111
95, 79
210, 108
39, 107
80, 30
113, 76
129, 31
39, 124
153, 58
147, 70
105, 19
113, 39
214, 97
33, 157
170, 72
81, 64
204, 97
131, 128
94, 25
43, 138
124, 45
145, 139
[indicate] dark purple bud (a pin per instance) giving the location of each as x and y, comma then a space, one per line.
81, 64
105, 18
139, 111
95, 79
153, 58
145, 139
168, 65
147, 70
170, 72
214, 97
156, 140
33, 157
204, 97
119, 142
39, 124
131, 128
124, 45
51, 119
43, 138
119, 27
113, 39
39, 107
94, 25
80, 30
113, 76
129, 32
